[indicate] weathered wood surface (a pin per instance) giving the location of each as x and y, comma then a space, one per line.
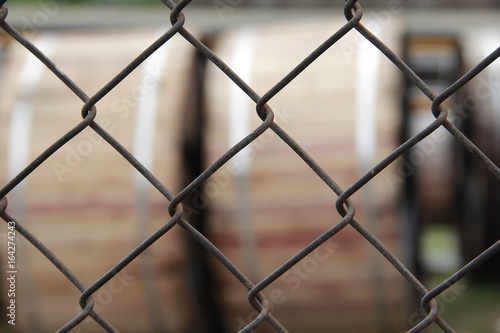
267, 204
86, 203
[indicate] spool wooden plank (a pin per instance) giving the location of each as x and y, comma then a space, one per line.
86, 203
266, 204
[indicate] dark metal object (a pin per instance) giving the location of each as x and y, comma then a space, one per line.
353, 13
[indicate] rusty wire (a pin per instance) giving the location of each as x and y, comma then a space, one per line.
353, 14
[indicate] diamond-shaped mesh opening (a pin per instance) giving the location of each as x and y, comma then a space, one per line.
280, 172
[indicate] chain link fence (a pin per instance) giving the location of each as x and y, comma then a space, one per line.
179, 214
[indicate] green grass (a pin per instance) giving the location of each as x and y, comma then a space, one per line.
470, 308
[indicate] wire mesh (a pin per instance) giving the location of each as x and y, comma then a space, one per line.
257, 298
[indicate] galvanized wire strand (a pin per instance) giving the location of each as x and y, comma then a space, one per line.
133, 65
311, 58
261, 305
461, 273
466, 143
81, 317
47, 153
131, 256
89, 117
345, 207
230, 266
390, 55
432, 315
87, 309
301, 254
226, 262
150, 177
449, 282
398, 152
42, 57
347, 215
427, 321
222, 160
212, 57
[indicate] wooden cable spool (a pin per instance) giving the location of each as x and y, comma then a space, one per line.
266, 204
481, 116
86, 203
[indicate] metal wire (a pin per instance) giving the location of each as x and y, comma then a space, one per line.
345, 207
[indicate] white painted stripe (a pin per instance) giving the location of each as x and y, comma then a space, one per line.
367, 65
367, 71
239, 106
145, 124
239, 127
143, 150
145, 127
21, 121
19, 136
366, 101
490, 41
18, 157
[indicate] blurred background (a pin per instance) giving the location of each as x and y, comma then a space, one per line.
450, 203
